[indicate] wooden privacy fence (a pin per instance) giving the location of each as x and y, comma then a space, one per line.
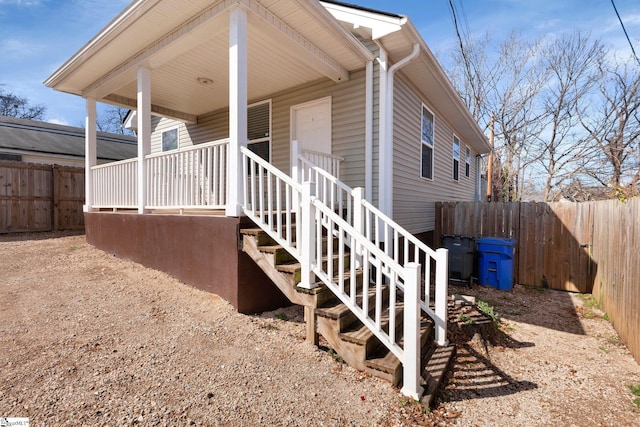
591, 247
39, 197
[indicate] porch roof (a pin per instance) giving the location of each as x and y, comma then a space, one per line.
186, 46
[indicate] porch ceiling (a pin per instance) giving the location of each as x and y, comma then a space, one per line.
289, 43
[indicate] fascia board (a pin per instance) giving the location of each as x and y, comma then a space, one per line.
380, 25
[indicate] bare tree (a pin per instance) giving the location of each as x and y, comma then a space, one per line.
17, 106
507, 83
572, 61
112, 119
613, 124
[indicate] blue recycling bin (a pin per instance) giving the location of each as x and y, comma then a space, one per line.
495, 262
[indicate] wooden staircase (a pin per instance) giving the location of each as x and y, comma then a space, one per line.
326, 315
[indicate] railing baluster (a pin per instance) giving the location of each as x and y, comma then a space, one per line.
392, 308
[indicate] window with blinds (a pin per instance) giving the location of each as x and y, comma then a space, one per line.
259, 129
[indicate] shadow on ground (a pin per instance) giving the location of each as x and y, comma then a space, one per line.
538, 306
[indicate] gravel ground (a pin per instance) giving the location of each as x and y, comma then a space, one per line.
89, 339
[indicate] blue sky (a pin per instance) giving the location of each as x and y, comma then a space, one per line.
37, 36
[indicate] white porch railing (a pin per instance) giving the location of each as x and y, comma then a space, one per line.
115, 185
387, 235
188, 178
326, 161
268, 201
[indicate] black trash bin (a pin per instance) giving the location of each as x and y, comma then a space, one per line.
461, 254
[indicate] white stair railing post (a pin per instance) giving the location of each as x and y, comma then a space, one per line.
442, 294
358, 220
411, 354
307, 237
296, 174
295, 163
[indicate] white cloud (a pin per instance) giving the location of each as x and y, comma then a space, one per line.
21, 2
16, 48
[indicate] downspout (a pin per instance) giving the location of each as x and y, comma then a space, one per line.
368, 133
478, 196
385, 185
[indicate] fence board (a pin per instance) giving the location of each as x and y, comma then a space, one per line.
590, 247
39, 197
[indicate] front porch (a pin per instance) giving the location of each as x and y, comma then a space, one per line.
313, 234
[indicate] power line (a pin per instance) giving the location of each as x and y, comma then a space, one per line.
460, 41
625, 32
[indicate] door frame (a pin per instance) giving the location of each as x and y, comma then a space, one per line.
292, 123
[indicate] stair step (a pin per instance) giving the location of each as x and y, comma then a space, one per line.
435, 371
325, 296
280, 254
338, 311
263, 238
384, 360
362, 335
294, 268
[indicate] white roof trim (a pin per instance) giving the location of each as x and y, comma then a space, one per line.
380, 25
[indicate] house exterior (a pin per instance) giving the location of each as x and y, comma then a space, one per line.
328, 127
40, 142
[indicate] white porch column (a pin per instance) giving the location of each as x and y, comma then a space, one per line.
90, 152
385, 151
144, 133
237, 108
368, 133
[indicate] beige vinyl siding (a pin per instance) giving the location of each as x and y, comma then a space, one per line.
210, 127
347, 99
414, 197
347, 115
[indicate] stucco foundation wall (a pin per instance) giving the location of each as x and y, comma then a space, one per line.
201, 251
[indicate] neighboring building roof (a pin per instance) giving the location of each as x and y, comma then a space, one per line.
32, 136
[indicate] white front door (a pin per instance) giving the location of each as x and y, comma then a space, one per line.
311, 125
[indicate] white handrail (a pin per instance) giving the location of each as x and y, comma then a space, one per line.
268, 200
329, 189
387, 234
326, 161
268, 196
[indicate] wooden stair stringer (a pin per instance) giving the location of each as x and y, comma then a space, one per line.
354, 355
280, 280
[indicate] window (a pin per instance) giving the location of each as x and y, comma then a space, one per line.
259, 129
456, 158
467, 165
170, 139
427, 138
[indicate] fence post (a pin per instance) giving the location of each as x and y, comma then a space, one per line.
307, 237
411, 364
55, 208
442, 294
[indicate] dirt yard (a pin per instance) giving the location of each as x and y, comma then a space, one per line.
88, 339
